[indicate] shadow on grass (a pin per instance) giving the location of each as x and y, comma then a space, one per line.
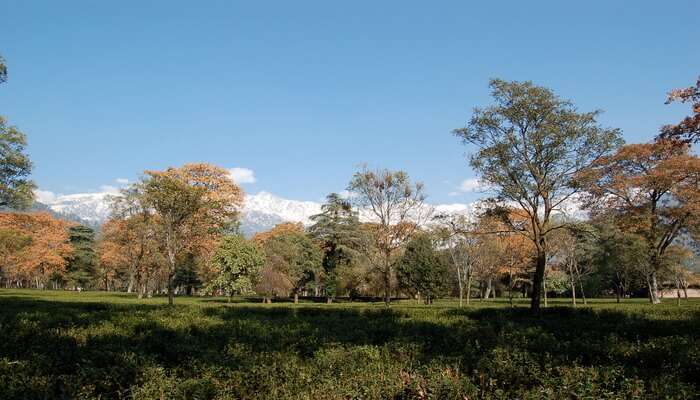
53, 349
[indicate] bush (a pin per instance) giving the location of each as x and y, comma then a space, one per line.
92, 345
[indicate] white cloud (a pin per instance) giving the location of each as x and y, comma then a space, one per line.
45, 196
122, 181
242, 175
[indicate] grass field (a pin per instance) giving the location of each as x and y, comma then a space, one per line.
57, 345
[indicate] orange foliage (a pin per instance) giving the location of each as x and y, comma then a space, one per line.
222, 200
688, 130
654, 188
47, 251
279, 229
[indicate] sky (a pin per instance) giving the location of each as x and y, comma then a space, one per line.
298, 95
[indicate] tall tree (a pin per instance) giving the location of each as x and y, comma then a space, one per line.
295, 256
81, 264
193, 203
47, 252
422, 270
688, 130
16, 189
3, 70
337, 228
398, 207
239, 262
186, 277
531, 145
652, 190
130, 239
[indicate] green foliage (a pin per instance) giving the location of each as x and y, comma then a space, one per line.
422, 270
3, 70
296, 256
95, 345
186, 274
621, 258
16, 190
239, 262
337, 227
531, 148
81, 264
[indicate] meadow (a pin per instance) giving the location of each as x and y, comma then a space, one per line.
58, 345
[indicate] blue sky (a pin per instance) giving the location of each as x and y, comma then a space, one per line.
303, 92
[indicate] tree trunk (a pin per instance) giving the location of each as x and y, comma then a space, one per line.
538, 281
461, 286
171, 294
573, 292
489, 284
469, 288
296, 298
130, 287
653, 287
387, 281
544, 291
510, 287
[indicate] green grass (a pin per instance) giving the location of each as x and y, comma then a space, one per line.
105, 345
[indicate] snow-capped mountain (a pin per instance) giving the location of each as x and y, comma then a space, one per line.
261, 211
92, 208
287, 210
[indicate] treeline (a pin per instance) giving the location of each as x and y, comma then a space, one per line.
176, 232
189, 213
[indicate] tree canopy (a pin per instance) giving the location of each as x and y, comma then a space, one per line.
531, 144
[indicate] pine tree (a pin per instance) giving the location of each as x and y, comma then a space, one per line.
81, 265
337, 228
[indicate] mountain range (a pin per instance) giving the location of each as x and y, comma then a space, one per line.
261, 211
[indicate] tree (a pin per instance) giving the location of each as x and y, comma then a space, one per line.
576, 248
421, 270
273, 281
688, 130
193, 203
81, 264
461, 247
239, 262
622, 258
337, 228
531, 146
16, 190
295, 256
129, 241
675, 262
3, 70
651, 190
186, 276
11, 242
397, 205
285, 227
44, 255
